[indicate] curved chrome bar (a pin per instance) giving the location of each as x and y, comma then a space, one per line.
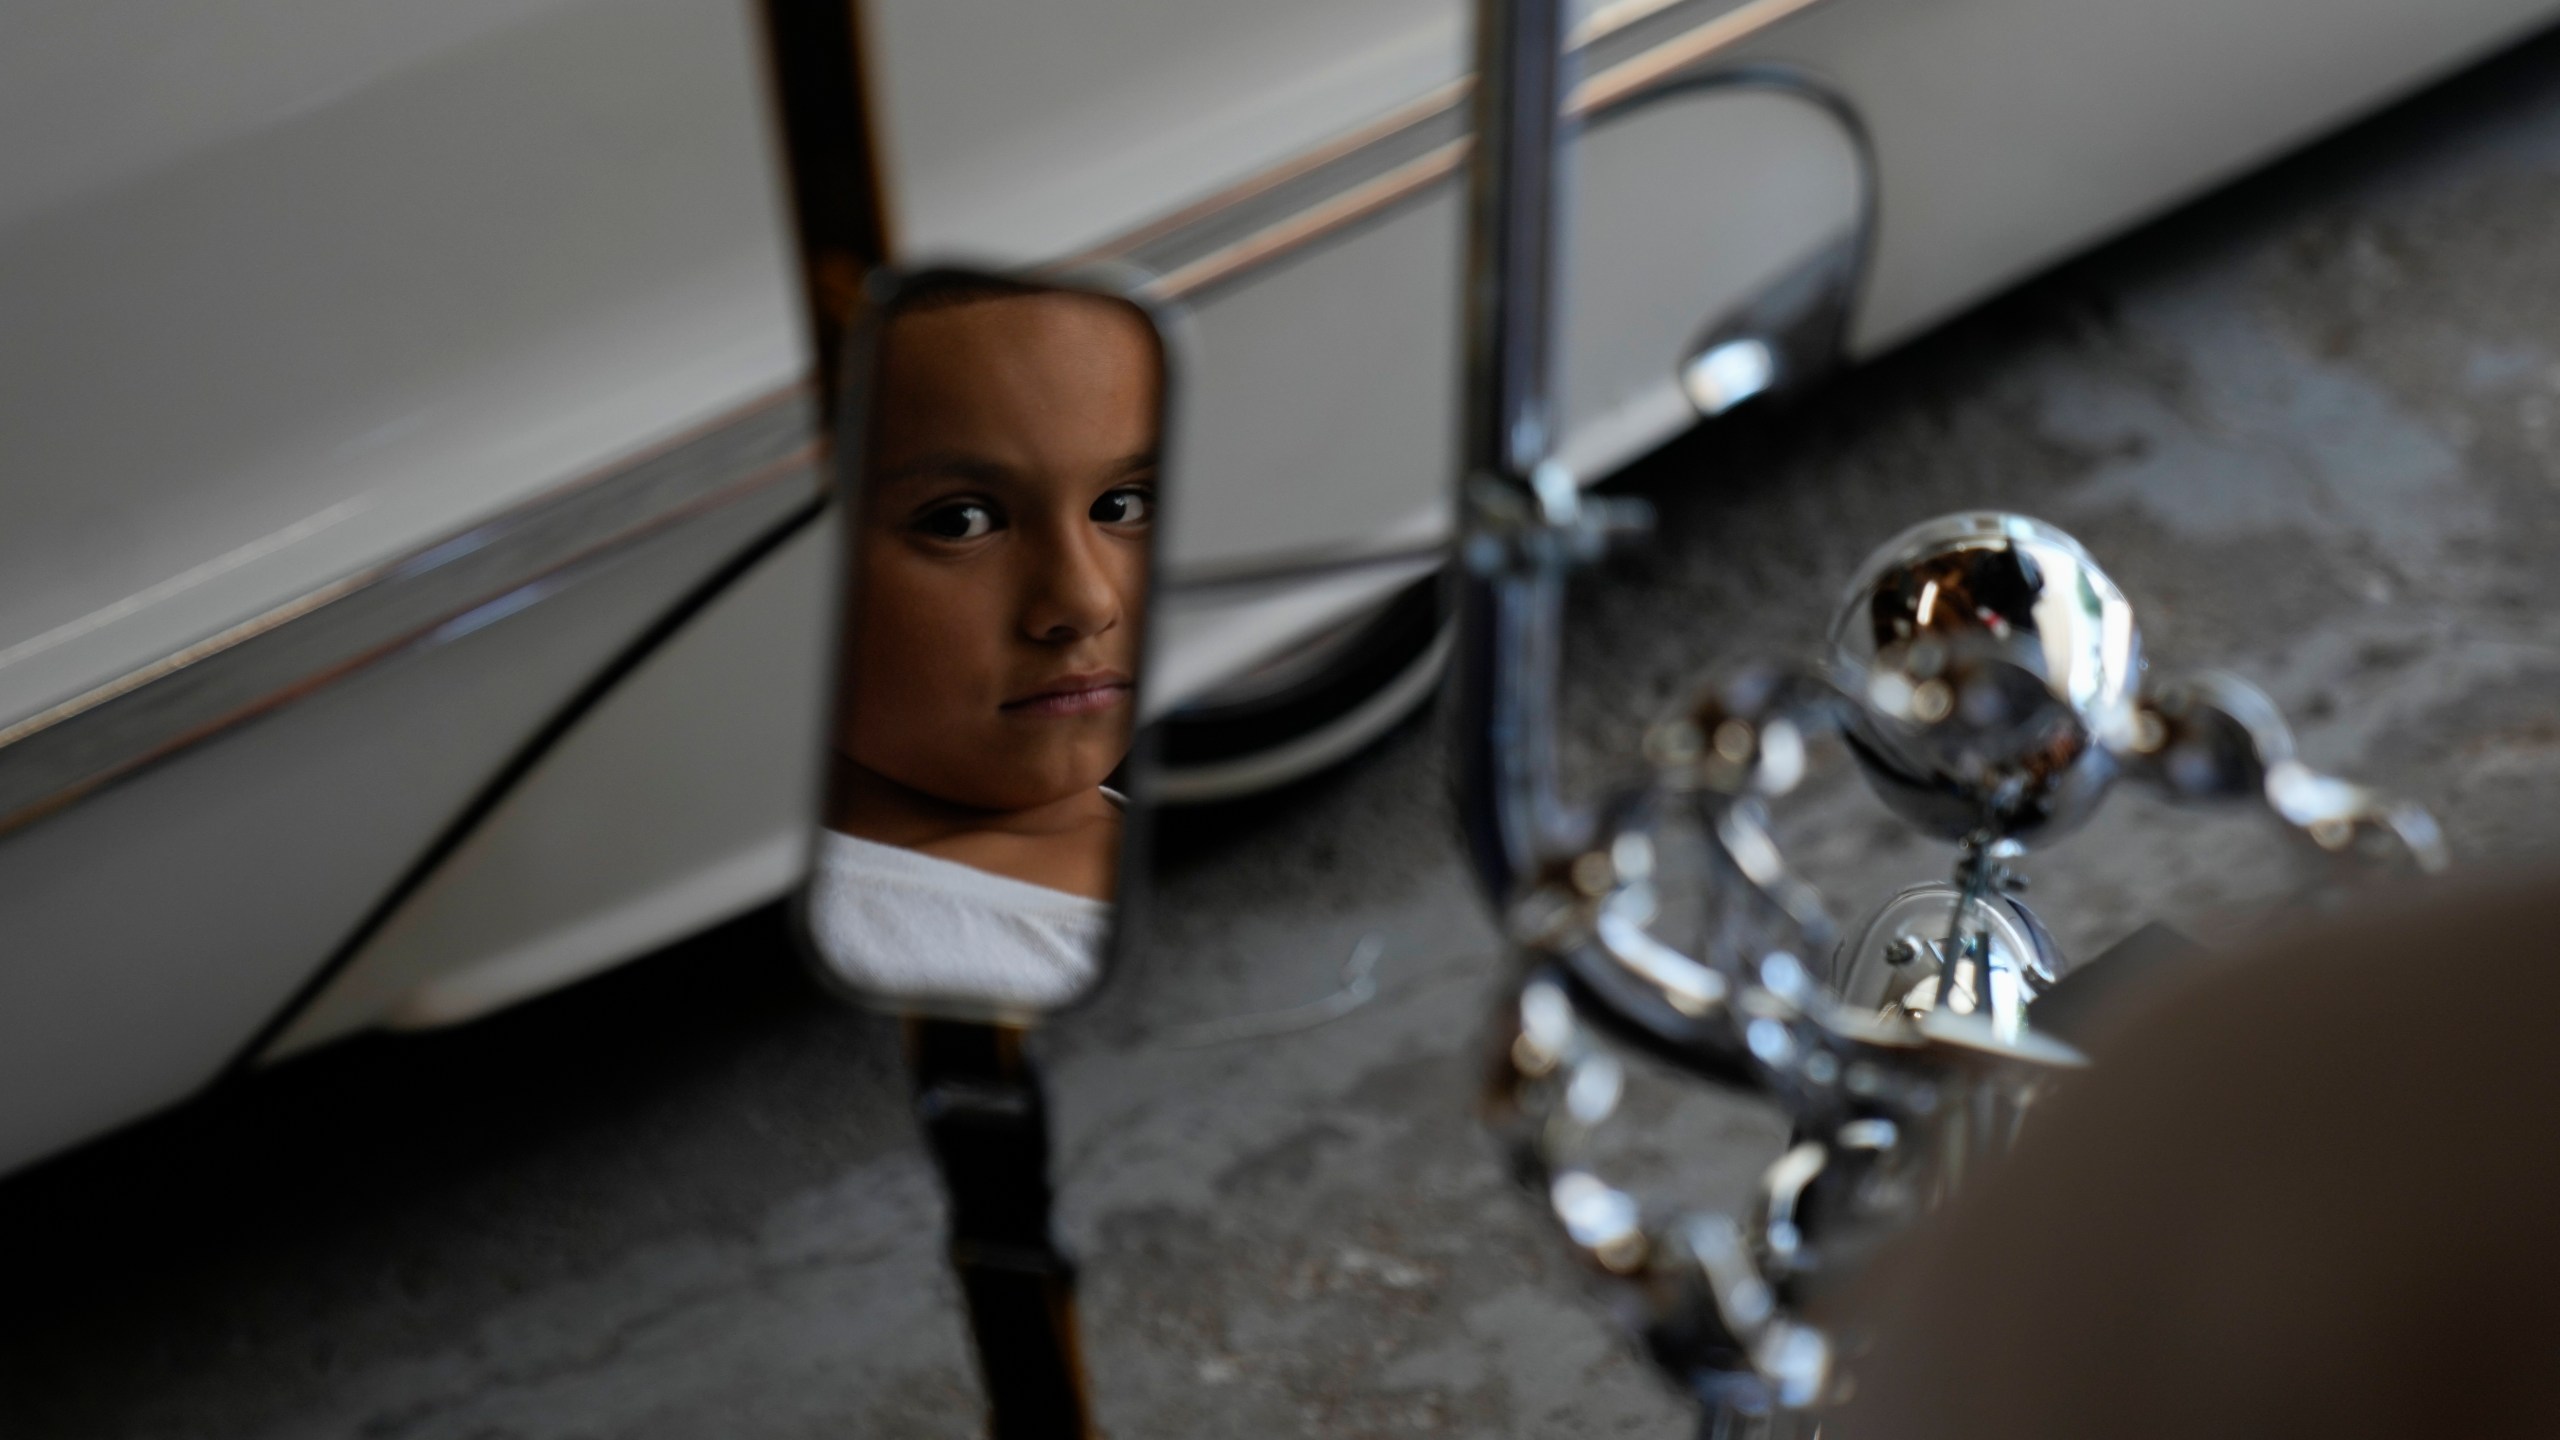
2218, 737
1796, 327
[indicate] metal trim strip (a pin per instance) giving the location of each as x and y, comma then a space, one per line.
59, 755
1627, 51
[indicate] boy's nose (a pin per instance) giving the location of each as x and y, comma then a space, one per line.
1074, 595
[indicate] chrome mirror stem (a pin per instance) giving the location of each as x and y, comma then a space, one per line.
1511, 269
1522, 521
1509, 607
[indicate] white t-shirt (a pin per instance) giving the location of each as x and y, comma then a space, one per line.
904, 925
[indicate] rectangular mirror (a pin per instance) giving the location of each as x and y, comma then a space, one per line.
998, 484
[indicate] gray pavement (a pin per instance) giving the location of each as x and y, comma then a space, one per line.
2312, 426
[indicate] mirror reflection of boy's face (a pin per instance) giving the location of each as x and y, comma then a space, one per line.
1001, 547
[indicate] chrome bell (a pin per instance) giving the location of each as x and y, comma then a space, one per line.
2001, 668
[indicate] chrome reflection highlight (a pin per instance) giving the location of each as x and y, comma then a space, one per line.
1723, 377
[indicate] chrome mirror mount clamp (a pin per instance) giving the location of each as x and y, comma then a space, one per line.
1550, 527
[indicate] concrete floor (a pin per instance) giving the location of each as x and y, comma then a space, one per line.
2312, 426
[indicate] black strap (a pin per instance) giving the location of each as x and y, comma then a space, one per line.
979, 1100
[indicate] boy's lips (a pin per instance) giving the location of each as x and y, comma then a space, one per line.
1082, 694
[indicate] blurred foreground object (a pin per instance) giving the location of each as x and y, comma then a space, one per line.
2303, 1194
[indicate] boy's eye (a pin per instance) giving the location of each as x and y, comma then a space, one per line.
966, 520
1127, 506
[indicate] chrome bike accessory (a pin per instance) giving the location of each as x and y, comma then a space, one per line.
1988, 677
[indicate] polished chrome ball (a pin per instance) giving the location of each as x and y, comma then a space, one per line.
2000, 667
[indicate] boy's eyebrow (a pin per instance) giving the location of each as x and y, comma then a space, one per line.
952, 464
959, 465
